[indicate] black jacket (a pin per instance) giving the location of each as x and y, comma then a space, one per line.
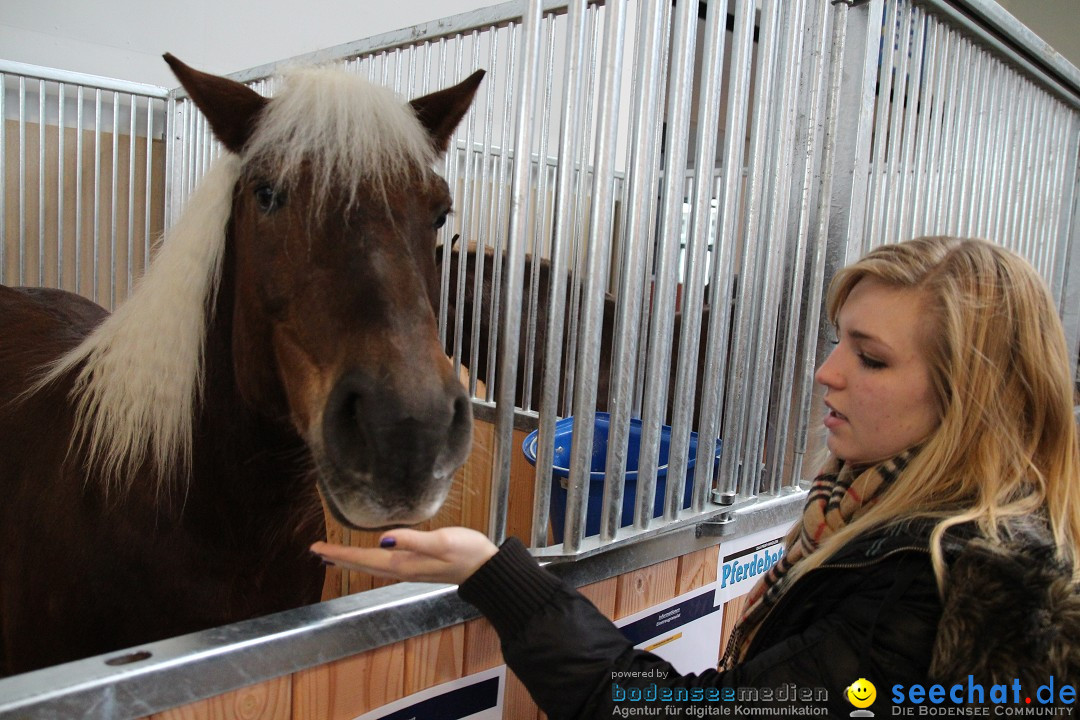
871, 611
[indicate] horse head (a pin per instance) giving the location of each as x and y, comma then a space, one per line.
332, 239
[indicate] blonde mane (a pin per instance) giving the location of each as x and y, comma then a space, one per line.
139, 375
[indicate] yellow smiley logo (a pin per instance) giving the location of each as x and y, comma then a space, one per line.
861, 693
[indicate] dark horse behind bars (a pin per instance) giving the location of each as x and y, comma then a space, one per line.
160, 468
530, 383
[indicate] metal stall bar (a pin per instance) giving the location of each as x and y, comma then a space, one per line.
466, 171
929, 109
502, 204
538, 234
812, 334
775, 228
661, 325
741, 468
1066, 283
652, 203
841, 214
600, 224
41, 184
563, 232
3, 175
60, 133
993, 204
511, 285
22, 181
728, 234
904, 84
785, 404
652, 21
981, 215
1068, 240
709, 111
584, 181
878, 178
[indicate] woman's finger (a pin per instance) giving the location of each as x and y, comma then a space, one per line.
397, 564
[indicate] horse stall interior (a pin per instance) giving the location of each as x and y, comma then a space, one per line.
654, 196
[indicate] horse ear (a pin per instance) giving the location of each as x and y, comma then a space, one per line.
440, 112
230, 107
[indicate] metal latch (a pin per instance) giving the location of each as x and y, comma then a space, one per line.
723, 523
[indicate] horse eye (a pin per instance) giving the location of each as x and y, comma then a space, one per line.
441, 220
268, 198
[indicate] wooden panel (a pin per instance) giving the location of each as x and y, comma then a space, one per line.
517, 703
602, 594
481, 647
732, 610
270, 700
641, 589
350, 687
519, 512
434, 658
697, 569
475, 479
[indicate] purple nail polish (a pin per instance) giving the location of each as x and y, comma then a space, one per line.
323, 559
387, 542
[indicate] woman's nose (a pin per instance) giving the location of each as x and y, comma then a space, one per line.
828, 373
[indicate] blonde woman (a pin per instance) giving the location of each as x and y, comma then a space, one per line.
938, 545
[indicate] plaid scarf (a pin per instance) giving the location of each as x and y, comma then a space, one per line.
838, 495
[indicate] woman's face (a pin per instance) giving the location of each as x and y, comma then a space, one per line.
877, 381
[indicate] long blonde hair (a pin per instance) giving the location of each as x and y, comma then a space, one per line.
1006, 445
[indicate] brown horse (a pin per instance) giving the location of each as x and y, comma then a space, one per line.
160, 468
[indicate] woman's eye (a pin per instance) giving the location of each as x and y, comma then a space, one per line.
870, 363
268, 198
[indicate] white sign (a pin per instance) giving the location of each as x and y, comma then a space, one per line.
744, 560
476, 697
685, 631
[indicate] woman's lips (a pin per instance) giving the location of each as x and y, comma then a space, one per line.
834, 419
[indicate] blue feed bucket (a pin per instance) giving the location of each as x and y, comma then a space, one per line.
560, 471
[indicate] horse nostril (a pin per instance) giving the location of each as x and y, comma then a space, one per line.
351, 412
461, 422
462, 412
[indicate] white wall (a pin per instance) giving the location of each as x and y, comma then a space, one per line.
1055, 21
125, 38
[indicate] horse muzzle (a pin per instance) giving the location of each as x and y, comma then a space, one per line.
390, 452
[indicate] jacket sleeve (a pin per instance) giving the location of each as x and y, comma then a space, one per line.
569, 655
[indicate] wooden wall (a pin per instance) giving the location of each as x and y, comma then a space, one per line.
347, 688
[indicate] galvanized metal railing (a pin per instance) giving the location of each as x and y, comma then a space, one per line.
81, 180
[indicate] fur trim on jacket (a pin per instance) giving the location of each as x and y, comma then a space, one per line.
1010, 611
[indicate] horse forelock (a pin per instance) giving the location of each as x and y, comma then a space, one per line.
138, 375
346, 130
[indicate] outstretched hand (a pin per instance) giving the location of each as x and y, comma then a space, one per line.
446, 555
